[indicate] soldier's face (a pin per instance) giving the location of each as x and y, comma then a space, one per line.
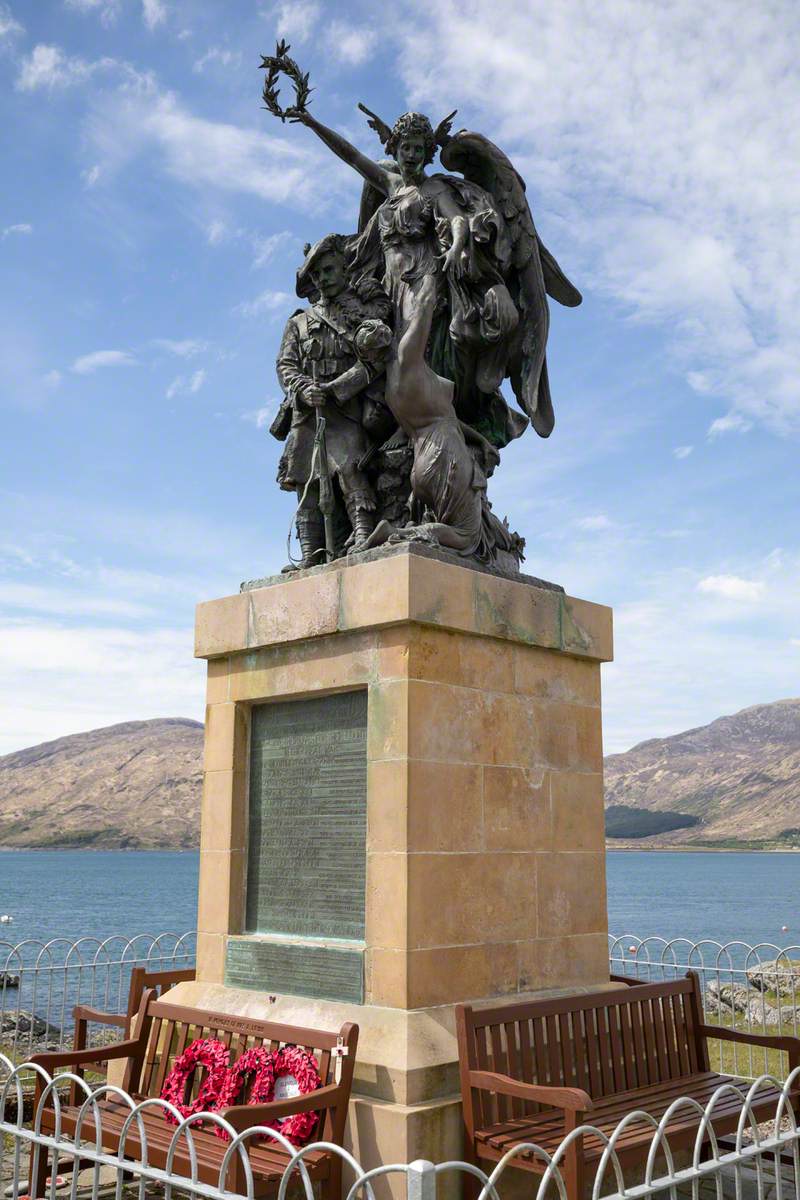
328, 275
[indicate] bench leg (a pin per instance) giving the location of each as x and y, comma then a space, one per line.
37, 1182
574, 1172
331, 1187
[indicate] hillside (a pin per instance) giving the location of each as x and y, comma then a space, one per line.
735, 781
131, 786
740, 776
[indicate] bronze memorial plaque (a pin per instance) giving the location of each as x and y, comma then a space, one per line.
308, 817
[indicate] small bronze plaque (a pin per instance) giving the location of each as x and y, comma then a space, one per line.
306, 871
332, 972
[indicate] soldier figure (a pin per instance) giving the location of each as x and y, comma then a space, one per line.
323, 367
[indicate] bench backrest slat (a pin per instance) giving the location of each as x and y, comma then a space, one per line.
603, 1042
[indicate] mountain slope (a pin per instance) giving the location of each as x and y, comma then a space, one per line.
138, 785
740, 775
129, 786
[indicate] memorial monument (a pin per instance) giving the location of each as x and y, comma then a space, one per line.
403, 801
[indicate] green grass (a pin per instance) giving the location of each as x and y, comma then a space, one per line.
732, 1058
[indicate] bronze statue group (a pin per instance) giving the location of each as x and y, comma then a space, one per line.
393, 417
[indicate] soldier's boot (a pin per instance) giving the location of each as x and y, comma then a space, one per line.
362, 519
311, 536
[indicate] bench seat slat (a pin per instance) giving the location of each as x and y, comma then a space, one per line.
547, 1129
266, 1160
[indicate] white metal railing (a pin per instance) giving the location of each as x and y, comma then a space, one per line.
760, 1162
755, 989
41, 982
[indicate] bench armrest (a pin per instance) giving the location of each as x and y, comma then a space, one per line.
243, 1116
78, 1058
569, 1099
791, 1045
98, 1017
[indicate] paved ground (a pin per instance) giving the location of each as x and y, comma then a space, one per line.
106, 1187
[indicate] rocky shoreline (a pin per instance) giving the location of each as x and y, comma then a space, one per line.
23, 1032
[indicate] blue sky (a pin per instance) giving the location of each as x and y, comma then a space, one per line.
152, 217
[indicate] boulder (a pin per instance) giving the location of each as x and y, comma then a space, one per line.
7, 980
738, 998
778, 975
733, 996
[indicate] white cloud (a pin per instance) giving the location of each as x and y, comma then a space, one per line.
154, 13
260, 417
651, 137
217, 54
682, 451
49, 67
733, 422
107, 10
731, 587
30, 598
204, 154
297, 19
186, 385
350, 44
89, 363
268, 301
52, 379
9, 26
91, 176
20, 229
264, 247
185, 348
216, 232
683, 659
794, 641
596, 522
66, 679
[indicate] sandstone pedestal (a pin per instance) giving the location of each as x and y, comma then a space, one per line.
483, 869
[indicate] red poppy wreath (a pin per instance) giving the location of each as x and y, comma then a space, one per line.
205, 1052
279, 1074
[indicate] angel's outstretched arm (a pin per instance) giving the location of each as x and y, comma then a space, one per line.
371, 171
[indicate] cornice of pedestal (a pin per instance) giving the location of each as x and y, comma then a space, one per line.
402, 584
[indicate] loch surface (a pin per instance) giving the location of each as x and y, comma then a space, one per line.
75, 893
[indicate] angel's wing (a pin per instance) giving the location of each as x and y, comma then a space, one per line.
375, 122
535, 272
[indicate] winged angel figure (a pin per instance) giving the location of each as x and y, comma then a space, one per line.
468, 279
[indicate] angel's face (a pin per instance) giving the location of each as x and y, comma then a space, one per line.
411, 153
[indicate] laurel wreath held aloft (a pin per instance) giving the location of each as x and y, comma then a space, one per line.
278, 64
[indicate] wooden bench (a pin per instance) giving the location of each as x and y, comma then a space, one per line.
162, 1031
532, 1072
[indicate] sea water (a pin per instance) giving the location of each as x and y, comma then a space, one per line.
81, 893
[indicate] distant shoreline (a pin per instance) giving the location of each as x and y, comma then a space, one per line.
100, 849
627, 849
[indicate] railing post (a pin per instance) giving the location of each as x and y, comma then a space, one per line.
421, 1180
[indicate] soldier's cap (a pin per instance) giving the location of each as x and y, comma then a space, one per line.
335, 242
